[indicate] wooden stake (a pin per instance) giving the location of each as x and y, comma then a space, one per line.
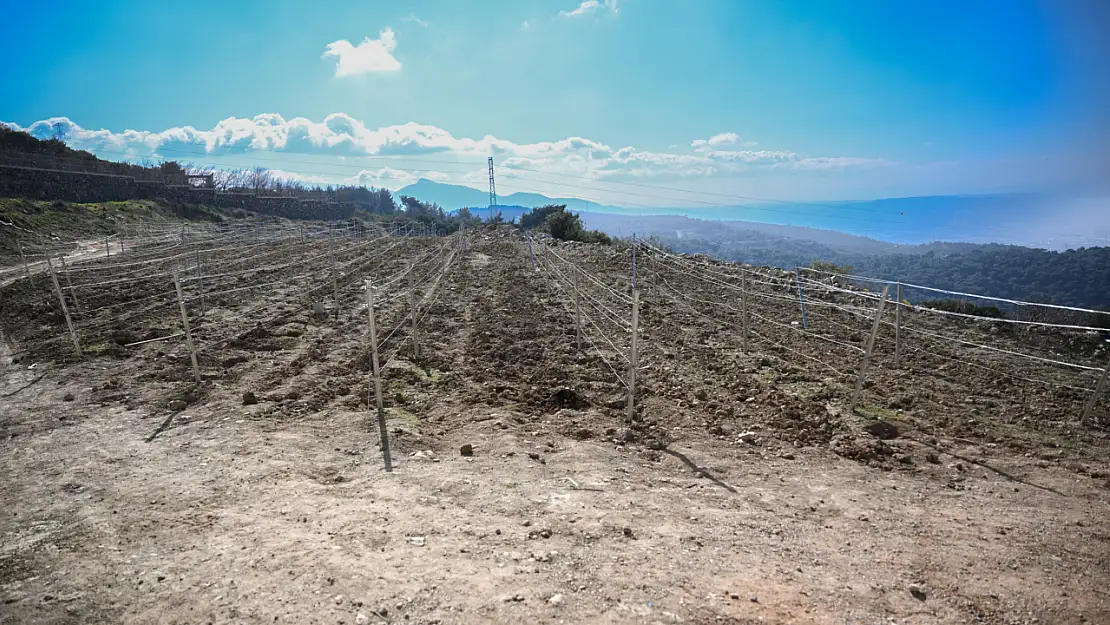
531, 254
185, 324
65, 309
334, 285
200, 283
577, 311
867, 353
898, 330
22, 257
633, 356
634, 261
654, 273
802, 299
1095, 395
383, 431
412, 310
69, 283
744, 309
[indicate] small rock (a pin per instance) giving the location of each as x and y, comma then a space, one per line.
627, 531
466, 450
748, 437
176, 405
526, 523
249, 398
68, 397
787, 456
754, 599
932, 458
545, 533
882, 430
339, 600
534, 456
514, 598
556, 599
362, 619
734, 595
418, 541
917, 592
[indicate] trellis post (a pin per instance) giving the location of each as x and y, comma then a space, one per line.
65, 309
383, 431
867, 352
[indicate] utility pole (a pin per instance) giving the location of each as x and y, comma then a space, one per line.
492, 191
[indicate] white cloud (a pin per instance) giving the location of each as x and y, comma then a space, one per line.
411, 17
589, 6
339, 141
718, 140
372, 55
525, 24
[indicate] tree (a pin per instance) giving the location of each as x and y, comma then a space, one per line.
564, 226
258, 179
537, 217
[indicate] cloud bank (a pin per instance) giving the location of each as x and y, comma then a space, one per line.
408, 151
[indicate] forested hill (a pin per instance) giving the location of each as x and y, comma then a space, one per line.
1079, 277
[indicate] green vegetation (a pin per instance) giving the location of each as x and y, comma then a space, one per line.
1079, 277
561, 224
821, 265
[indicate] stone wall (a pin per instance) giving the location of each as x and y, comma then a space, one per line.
72, 186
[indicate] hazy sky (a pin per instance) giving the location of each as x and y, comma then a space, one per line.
786, 100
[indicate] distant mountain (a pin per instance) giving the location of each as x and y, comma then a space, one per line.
1038, 220
453, 197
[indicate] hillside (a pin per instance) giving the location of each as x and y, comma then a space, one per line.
510, 472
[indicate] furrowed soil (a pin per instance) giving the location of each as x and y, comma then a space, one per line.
988, 506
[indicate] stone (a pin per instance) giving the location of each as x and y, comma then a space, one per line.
362, 619
882, 430
339, 599
748, 437
918, 592
249, 398
556, 599
466, 450
176, 405
627, 530
68, 397
932, 458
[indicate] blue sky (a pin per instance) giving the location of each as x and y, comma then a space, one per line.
784, 100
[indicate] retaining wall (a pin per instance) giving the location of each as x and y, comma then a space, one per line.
73, 186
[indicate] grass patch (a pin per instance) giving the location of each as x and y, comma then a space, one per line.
878, 413
766, 375
806, 390
395, 415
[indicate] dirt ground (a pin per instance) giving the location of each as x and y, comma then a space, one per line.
119, 509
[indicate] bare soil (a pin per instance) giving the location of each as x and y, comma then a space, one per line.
990, 506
